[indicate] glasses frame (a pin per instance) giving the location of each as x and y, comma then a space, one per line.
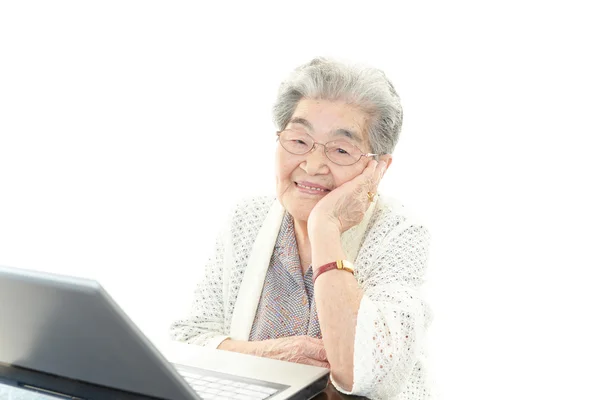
325, 149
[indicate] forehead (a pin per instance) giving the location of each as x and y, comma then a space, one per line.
331, 118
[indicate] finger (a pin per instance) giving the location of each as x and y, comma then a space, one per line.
381, 167
371, 177
316, 363
315, 351
312, 348
378, 174
321, 364
370, 168
366, 177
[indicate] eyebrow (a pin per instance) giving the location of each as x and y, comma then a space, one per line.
301, 121
349, 134
338, 132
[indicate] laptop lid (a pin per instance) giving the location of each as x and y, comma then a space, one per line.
70, 327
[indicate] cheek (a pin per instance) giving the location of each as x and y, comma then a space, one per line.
346, 175
283, 167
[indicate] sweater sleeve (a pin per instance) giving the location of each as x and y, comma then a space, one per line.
392, 317
204, 326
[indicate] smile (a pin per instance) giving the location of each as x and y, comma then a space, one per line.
310, 189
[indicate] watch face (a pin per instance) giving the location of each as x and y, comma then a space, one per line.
348, 264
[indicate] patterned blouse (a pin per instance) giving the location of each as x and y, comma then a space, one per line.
286, 306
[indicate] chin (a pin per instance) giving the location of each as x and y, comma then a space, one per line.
300, 210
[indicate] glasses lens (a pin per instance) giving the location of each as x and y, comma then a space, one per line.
296, 142
343, 153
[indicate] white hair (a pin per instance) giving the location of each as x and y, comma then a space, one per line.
359, 85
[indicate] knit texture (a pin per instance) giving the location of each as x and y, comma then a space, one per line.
389, 354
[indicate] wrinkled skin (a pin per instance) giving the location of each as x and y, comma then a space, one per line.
299, 349
346, 205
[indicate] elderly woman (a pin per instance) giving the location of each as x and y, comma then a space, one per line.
327, 273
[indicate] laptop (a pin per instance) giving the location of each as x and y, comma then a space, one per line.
66, 337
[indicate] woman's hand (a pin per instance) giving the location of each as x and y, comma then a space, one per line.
298, 349
345, 206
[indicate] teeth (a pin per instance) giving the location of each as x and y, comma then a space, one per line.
311, 188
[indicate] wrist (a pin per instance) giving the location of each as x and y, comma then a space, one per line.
318, 224
325, 252
323, 232
339, 265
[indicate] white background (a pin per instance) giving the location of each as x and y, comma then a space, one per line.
127, 129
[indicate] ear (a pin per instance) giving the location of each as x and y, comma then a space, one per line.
388, 160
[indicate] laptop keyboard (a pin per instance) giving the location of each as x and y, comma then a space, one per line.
216, 387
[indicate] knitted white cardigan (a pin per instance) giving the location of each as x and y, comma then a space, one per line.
389, 250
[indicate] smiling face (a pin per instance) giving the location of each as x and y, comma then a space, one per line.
298, 176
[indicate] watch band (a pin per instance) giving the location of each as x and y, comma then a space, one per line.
338, 264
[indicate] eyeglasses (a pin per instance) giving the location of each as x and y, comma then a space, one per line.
338, 152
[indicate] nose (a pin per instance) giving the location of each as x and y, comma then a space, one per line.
316, 160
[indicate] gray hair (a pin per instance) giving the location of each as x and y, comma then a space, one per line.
363, 86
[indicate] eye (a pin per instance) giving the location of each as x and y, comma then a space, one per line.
299, 141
